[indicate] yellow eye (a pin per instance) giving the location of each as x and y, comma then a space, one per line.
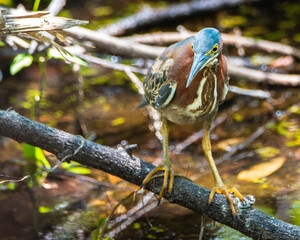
192, 47
215, 49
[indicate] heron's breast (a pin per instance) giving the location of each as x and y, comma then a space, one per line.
200, 104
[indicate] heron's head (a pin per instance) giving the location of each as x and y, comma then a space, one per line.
207, 45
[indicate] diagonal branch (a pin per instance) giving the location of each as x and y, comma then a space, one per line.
117, 162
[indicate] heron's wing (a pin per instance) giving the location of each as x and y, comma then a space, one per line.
159, 88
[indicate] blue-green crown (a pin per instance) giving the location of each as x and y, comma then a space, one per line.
206, 39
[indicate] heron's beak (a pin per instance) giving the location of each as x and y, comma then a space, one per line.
200, 61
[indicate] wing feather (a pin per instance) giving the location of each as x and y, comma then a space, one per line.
159, 88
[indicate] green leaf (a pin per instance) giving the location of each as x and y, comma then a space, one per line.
36, 5
118, 121
156, 229
79, 170
28, 152
39, 154
136, 225
43, 209
20, 61
54, 53
35, 155
150, 236
101, 221
67, 165
94, 235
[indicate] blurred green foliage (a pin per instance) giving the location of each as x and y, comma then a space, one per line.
6, 3
37, 164
294, 212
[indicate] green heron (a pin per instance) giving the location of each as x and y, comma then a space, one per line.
186, 84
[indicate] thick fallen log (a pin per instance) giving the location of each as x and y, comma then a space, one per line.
124, 165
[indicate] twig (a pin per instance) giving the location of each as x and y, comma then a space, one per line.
159, 38
15, 180
83, 178
56, 6
186, 193
115, 45
153, 113
69, 156
111, 65
244, 144
196, 136
266, 77
145, 205
137, 83
247, 92
49, 170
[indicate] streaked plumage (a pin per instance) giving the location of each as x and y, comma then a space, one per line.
186, 84
170, 72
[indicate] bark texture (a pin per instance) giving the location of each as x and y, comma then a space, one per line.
118, 162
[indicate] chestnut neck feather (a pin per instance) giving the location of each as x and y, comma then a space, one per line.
180, 72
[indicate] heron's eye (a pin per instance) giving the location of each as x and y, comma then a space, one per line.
192, 47
215, 49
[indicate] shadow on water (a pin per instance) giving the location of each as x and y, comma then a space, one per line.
68, 205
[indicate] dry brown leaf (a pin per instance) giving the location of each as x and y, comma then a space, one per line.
96, 202
282, 62
113, 179
223, 145
121, 209
261, 170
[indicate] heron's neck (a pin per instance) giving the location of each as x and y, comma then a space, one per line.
213, 64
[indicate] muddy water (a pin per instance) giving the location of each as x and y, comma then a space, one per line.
67, 206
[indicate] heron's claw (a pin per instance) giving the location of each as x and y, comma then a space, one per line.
168, 174
227, 193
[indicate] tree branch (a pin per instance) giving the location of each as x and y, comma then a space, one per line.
115, 45
266, 77
149, 16
117, 162
163, 38
123, 47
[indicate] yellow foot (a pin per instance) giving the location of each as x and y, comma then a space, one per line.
168, 173
226, 192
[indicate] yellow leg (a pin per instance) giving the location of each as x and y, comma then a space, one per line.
165, 166
219, 188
